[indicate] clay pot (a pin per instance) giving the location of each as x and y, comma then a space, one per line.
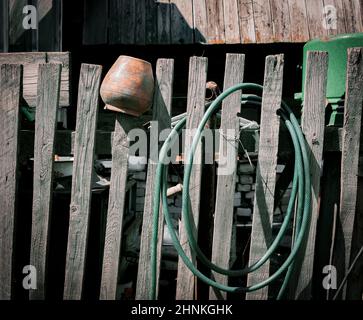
128, 86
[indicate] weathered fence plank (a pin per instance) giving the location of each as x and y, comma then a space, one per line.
116, 206
87, 110
10, 93
226, 183
353, 12
195, 109
298, 21
45, 124
280, 20
182, 21
263, 21
231, 21
246, 21
263, 208
161, 113
343, 253
4, 35
313, 123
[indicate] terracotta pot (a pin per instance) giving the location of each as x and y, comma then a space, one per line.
128, 86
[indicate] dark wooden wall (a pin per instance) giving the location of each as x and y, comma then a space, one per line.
46, 37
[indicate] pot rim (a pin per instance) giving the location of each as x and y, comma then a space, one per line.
134, 58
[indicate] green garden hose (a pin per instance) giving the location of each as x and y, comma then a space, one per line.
301, 192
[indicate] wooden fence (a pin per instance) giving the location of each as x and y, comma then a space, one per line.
345, 244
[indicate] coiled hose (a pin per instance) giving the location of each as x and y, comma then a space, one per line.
301, 192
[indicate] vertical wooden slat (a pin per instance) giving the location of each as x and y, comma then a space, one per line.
215, 18
45, 124
87, 110
246, 21
151, 22
116, 205
19, 38
353, 15
263, 208
340, 18
298, 21
4, 34
161, 113
228, 145
140, 13
263, 21
182, 21
95, 22
200, 21
313, 128
163, 12
350, 160
50, 25
10, 93
122, 21
195, 109
231, 21
280, 20
315, 16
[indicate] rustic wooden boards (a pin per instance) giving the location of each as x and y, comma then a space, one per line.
31, 62
95, 28
221, 21
10, 93
226, 183
161, 113
4, 24
87, 111
45, 125
344, 249
185, 287
261, 237
313, 123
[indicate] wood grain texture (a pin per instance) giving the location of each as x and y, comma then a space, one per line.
195, 109
30, 62
163, 12
263, 21
4, 34
87, 110
316, 18
45, 124
280, 20
231, 21
353, 16
263, 209
350, 160
226, 183
151, 22
182, 21
246, 21
116, 205
140, 17
122, 21
340, 26
50, 25
313, 123
10, 93
162, 113
200, 21
19, 38
215, 19
298, 21
95, 24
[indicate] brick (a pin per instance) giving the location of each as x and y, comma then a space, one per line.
244, 187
